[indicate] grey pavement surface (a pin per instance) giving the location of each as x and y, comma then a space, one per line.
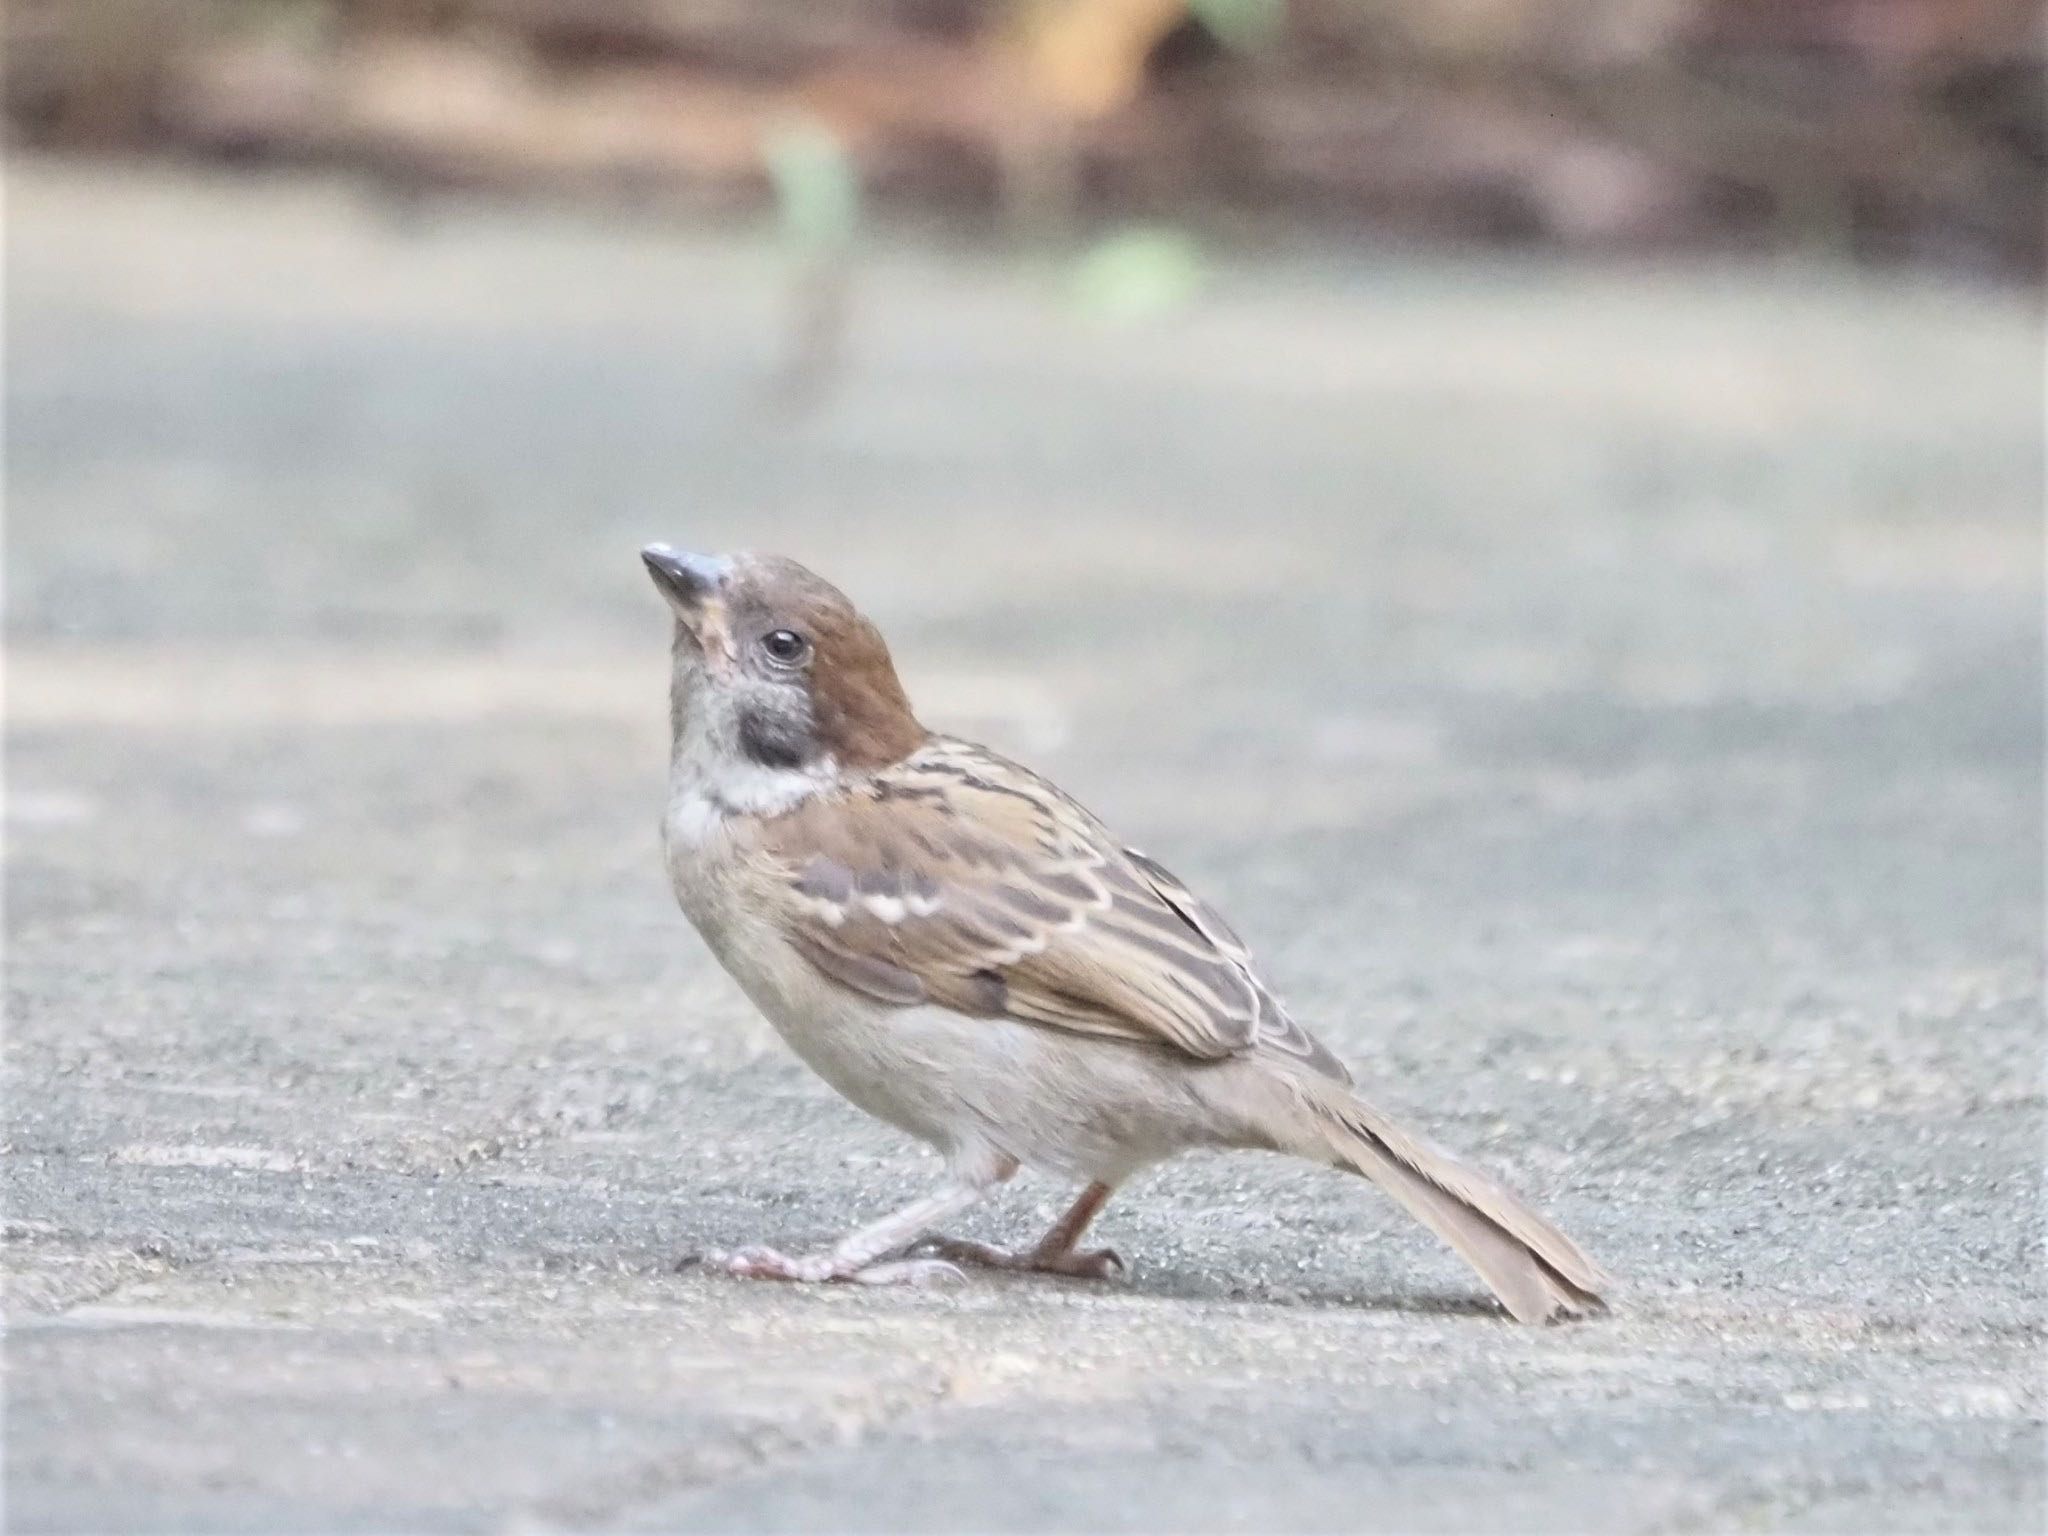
1609, 700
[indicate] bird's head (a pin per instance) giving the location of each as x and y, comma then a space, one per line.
776, 672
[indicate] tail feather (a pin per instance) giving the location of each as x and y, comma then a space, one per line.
1538, 1273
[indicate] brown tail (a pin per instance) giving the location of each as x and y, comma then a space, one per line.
1538, 1273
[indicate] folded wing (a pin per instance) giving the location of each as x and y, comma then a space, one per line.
959, 878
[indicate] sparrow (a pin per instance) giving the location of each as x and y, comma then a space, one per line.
960, 949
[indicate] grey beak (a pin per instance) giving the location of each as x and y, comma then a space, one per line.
687, 578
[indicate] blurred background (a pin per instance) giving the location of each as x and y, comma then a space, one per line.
714, 218
1899, 129
1536, 508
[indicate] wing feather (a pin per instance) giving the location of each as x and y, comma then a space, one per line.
960, 878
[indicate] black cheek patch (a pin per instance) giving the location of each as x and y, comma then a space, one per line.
775, 740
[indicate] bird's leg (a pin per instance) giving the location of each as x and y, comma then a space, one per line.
1055, 1253
855, 1256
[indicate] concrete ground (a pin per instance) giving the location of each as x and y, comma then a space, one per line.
1610, 701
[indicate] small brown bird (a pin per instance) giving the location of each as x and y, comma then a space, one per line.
964, 952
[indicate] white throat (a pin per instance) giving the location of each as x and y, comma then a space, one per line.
709, 787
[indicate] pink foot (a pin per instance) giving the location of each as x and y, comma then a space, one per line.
757, 1263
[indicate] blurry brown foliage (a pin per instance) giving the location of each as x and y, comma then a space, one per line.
1879, 128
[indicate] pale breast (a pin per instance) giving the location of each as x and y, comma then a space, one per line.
1059, 1102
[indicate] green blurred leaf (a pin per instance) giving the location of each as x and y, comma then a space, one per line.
1139, 273
817, 186
1240, 23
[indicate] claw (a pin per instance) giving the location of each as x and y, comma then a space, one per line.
1101, 1264
1098, 1264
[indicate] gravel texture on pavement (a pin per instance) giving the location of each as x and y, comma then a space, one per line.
1609, 700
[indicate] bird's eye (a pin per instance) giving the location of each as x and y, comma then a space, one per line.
785, 647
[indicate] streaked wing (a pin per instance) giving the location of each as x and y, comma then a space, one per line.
1275, 1029
959, 878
